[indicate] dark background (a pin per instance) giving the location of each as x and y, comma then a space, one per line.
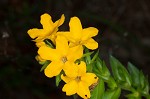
124, 27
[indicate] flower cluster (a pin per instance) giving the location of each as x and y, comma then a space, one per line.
64, 51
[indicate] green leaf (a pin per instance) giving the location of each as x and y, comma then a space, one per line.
98, 65
45, 65
114, 65
88, 61
87, 58
146, 89
101, 70
144, 84
95, 56
58, 79
120, 73
112, 94
117, 93
105, 70
49, 43
89, 67
142, 80
87, 54
111, 83
98, 91
134, 72
134, 95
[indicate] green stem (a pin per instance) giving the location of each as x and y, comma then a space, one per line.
75, 96
48, 43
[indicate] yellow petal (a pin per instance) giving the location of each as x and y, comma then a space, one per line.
83, 90
70, 69
60, 21
72, 44
63, 33
89, 32
33, 33
48, 53
52, 37
39, 44
66, 79
75, 28
47, 22
67, 35
91, 44
53, 69
62, 45
75, 53
70, 88
89, 78
38, 58
82, 68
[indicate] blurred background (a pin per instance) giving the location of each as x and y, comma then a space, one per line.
124, 32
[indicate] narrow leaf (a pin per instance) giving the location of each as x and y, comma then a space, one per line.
98, 91
49, 43
120, 73
134, 72
134, 95
146, 88
58, 79
111, 83
112, 94
87, 58
45, 65
142, 80
87, 54
95, 56
88, 61
114, 65
100, 69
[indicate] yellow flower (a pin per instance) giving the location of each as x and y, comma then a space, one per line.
41, 43
39, 59
49, 29
60, 57
79, 82
80, 36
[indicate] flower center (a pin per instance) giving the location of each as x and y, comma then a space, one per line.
78, 78
64, 59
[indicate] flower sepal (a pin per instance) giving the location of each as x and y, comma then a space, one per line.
45, 64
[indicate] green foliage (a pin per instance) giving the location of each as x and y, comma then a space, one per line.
49, 43
87, 54
140, 82
58, 79
98, 91
102, 72
112, 94
120, 73
134, 72
88, 61
132, 80
46, 63
109, 86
